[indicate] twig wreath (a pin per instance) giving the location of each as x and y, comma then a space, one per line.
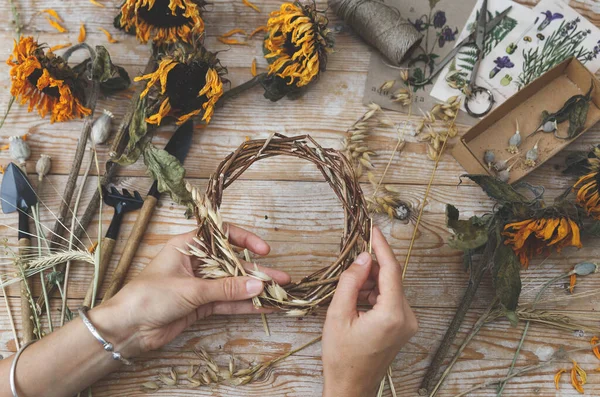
218, 259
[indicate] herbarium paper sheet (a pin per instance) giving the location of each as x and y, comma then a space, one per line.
440, 23
520, 18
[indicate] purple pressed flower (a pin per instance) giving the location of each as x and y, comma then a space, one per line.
549, 18
439, 19
419, 24
447, 35
501, 63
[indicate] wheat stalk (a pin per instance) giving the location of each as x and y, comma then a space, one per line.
51, 260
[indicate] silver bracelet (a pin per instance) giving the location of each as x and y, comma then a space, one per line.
13, 368
105, 344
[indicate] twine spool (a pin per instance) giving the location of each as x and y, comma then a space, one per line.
379, 25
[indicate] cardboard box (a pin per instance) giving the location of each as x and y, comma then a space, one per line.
549, 92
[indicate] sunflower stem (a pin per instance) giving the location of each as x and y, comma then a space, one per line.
235, 91
477, 272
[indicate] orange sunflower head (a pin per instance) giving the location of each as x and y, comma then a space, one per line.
185, 85
588, 193
539, 235
46, 82
296, 44
162, 21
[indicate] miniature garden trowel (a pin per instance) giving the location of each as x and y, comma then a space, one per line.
122, 203
17, 194
178, 146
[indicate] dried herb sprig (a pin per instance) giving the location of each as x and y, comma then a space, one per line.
212, 373
218, 259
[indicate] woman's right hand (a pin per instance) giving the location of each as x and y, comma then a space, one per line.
359, 346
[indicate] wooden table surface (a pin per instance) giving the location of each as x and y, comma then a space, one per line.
289, 205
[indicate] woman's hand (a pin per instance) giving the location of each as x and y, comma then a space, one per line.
166, 297
358, 347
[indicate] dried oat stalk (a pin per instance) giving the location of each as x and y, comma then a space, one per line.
445, 112
387, 201
218, 259
355, 146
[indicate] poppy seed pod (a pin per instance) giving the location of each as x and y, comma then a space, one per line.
101, 128
42, 167
19, 149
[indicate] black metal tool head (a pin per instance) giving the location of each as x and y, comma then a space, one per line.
122, 202
16, 192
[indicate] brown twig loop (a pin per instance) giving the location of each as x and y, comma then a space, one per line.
218, 259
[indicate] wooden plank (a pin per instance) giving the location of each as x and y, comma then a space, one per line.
243, 338
302, 221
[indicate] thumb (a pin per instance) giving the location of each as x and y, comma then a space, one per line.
226, 289
351, 281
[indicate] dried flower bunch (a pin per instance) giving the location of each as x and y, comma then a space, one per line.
188, 81
46, 81
162, 21
296, 46
217, 259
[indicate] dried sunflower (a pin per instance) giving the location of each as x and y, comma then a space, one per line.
162, 21
296, 46
186, 83
588, 193
537, 235
46, 82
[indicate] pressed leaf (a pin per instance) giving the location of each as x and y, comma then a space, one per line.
433, 3
506, 277
469, 234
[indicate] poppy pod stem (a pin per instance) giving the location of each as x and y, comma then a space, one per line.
235, 91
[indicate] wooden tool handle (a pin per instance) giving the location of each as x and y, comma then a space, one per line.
135, 238
26, 309
108, 246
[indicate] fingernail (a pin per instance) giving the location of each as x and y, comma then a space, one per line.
362, 259
254, 287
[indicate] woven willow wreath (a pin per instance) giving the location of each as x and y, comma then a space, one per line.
218, 258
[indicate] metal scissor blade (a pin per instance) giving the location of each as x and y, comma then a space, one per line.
481, 26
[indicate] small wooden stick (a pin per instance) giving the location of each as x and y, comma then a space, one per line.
10, 317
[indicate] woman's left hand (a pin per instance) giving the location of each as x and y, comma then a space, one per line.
166, 297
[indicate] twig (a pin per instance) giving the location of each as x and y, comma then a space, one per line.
521, 372
526, 329
477, 272
474, 331
10, 317
71, 238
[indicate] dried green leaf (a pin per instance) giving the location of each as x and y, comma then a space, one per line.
577, 118
467, 235
168, 172
500, 191
506, 277
138, 135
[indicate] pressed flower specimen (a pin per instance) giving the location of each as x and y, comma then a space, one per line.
538, 235
185, 84
46, 82
565, 42
162, 21
501, 63
549, 17
297, 43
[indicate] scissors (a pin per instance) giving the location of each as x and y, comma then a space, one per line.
477, 37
